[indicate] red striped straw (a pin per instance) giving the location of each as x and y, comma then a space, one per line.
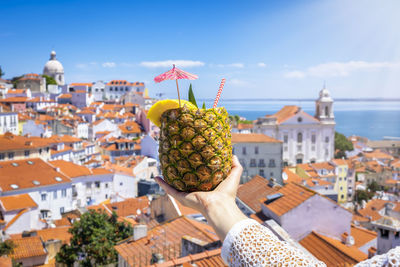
221, 86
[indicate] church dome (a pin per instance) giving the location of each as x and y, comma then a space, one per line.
325, 95
53, 66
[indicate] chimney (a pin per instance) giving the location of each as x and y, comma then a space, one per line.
271, 182
157, 258
388, 208
139, 231
371, 252
347, 239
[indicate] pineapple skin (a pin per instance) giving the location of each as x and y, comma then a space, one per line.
195, 148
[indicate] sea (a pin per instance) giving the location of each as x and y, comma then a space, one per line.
374, 119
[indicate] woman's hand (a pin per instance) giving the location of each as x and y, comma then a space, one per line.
217, 206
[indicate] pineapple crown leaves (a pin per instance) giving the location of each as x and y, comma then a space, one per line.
191, 97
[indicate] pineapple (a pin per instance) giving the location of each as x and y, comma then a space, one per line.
195, 145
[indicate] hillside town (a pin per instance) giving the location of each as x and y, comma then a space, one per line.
71, 151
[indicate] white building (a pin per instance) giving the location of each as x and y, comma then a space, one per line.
98, 89
46, 185
54, 68
115, 89
305, 138
8, 122
259, 155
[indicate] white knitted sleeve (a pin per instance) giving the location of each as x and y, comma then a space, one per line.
249, 243
392, 259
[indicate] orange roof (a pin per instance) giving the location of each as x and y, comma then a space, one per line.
372, 209
378, 155
9, 141
21, 174
130, 127
27, 247
169, 234
253, 138
71, 169
242, 126
16, 91
332, 251
15, 99
99, 171
291, 177
254, 190
203, 259
57, 233
80, 84
17, 202
127, 207
322, 165
361, 235
65, 96
292, 196
340, 161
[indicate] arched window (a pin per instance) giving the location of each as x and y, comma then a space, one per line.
326, 111
299, 138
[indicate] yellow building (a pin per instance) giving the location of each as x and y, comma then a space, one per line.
341, 169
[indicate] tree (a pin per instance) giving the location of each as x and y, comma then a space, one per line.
6, 247
49, 80
374, 186
93, 239
363, 195
342, 144
15, 79
1, 72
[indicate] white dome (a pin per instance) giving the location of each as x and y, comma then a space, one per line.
53, 66
324, 95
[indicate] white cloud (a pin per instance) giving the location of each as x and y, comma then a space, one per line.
237, 82
109, 65
261, 64
340, 69
86, 65
232, 65
169, 63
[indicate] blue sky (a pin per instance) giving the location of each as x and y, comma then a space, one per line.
265, 49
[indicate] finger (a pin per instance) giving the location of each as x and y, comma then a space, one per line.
180, 196
231, 183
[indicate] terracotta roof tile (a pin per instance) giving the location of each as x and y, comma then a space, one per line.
361, 235
332, 251
254, 190
80, 84
165, 239
28, 247
127, 207
57, 233
29, 173
71, 169
17, 202
253, 138
9, 141
292, 196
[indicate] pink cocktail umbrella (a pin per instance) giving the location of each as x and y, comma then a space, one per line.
175, 74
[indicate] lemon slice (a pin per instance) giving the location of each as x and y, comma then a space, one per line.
160, 107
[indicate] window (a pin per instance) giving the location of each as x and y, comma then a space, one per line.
271, 163
299, 161
1, 156
261, 172
43, 197
88, 185
285, 138
299, 138
384, 233
271, 174
256, 150
326, 111
126, 89
121, 183
261, 163
345, 178
244, 150
340, 179
40, 151
111, 88
299, 119
327, 139
26, 153
64, 192
341, 196
55, 194
97, 184
44, 213
313, 138
106, 185
341, 188
252, 162
106, 197
11, 155
285, 164
61, 210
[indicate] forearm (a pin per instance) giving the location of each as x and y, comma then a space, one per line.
222, 215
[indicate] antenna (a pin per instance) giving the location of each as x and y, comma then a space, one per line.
324, 85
